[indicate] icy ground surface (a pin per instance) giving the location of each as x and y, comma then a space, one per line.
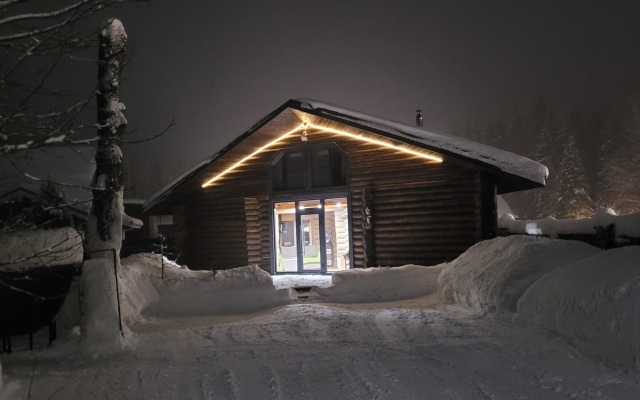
411, 349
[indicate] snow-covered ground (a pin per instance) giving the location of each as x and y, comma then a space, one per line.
366, 344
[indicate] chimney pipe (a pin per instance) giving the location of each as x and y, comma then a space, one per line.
419, 118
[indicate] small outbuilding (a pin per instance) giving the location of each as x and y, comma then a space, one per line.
317, 188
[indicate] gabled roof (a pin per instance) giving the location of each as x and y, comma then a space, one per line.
512, 172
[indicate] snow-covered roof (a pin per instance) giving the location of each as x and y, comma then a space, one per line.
439, 142
513, 172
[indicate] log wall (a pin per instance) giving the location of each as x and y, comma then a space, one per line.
422, 213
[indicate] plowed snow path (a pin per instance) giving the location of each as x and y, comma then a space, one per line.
314, 351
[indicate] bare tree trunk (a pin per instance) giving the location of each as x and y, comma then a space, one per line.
105, 220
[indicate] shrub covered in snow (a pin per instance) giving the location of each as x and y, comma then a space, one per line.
593, 303
381, 284
185, 292
492, 275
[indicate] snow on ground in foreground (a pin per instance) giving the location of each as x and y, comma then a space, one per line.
318, 351
380, 284
185, 345
492, 275
594, 303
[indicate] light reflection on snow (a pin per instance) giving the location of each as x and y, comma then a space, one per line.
532, 229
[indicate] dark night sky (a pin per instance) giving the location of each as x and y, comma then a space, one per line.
219, 66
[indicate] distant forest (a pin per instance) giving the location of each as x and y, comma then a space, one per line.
593, 157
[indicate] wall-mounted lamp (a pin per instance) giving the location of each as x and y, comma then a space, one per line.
303, 134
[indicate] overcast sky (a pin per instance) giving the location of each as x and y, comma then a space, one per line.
219, 66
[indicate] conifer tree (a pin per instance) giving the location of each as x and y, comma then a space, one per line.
619, 177
571, 189
545, 152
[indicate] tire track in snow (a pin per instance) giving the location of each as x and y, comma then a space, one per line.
295, 385
273, 382
363, 385
231, 384
205, 387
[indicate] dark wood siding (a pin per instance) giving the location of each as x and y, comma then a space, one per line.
423, 213
423, 225
216, 233
180, 232
258, 232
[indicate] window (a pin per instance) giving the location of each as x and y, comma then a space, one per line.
309, 168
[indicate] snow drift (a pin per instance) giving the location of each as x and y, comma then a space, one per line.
380, 284
101, 322
493, 274
185, 292
593, 303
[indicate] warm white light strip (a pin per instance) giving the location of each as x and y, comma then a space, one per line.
430, 157
261, 149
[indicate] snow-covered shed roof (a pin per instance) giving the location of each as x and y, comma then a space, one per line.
511, 171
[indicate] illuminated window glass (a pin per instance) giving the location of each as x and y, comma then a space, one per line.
309, 168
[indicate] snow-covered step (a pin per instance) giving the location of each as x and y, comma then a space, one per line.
304, 293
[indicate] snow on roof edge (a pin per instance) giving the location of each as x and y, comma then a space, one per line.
168, 189
505, 161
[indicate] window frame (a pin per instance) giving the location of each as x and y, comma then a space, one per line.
335, 153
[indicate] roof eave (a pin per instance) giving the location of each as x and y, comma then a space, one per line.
150, 205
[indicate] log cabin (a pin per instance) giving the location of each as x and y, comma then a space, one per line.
317, 188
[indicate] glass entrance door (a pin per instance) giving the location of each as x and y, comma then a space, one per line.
311, 249
311, 236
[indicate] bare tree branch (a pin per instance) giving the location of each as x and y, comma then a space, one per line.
165, 130
45, 15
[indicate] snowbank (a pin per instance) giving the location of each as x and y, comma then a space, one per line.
626, 226
36, 248
594, 303
492, 275
185, 292
101, 323
380, 284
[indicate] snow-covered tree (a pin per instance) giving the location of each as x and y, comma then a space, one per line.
573, 200
619, 177
546, 153
105, 219
102, 322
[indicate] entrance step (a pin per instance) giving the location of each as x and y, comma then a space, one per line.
304, 293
